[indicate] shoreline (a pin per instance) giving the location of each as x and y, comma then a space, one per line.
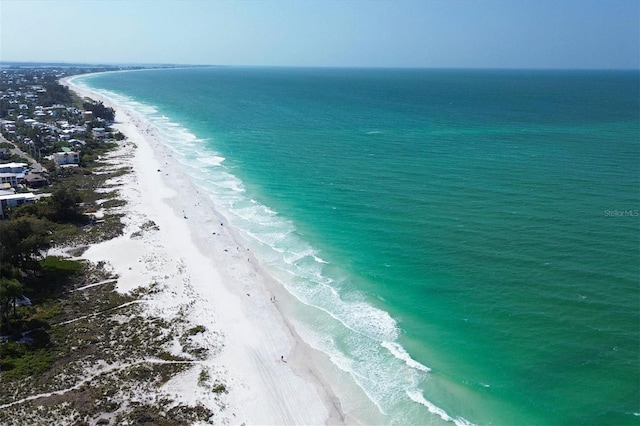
201, 270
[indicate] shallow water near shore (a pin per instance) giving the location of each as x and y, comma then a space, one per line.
464, 245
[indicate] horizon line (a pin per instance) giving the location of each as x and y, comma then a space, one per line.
150, 65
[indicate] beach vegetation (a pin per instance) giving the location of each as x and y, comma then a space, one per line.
99, 110
20, 360
57, 268
92, 151
63, 206
113, 203
46, 310
203, 377
65, 201
10, 290
190, 346
166, 356
150, 225
55, 94
24, 242
195, 330
219, 388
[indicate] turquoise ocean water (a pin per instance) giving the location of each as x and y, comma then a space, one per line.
465, 245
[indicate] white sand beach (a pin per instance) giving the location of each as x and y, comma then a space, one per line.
199, 270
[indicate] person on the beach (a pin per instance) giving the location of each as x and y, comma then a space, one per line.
282, 358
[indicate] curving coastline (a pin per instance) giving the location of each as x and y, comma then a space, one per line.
201, 271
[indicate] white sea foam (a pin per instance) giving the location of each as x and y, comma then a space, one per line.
320, 260
295, 257
416, 396
366, 319
215, 160
399, 352
233, 184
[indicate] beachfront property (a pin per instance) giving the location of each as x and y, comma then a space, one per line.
35, 180
8, 201
9, 126
8, 180
11, 174
66, 157
98, 133
18, 168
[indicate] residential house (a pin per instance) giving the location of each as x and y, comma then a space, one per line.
66, 157
10, 179
98, 132
14, 200
9, 125
13, 168
35, 180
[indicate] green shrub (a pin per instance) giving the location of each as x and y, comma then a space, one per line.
19, 360
195, 330
57, 267
203, 377
219, 388
47, 310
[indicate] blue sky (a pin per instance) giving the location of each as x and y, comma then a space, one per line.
414, 33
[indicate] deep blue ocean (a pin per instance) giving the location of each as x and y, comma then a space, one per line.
464, 244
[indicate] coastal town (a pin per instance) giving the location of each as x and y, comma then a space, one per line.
70, 349
44, 130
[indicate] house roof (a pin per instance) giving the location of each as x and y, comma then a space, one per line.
25, 196
33, 177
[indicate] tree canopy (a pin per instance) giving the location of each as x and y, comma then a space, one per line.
23, 242
100, 110
62, 207
55, 94
65, 201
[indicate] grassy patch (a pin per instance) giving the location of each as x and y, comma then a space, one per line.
58, 268
150, 225
219, 388
203, 377
110, 204
21, 360
166, 356
195, 330
47, 310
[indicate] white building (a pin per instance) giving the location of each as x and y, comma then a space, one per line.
98, 132
14, 200
9, 125
66, 157
10, 178
13, 168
